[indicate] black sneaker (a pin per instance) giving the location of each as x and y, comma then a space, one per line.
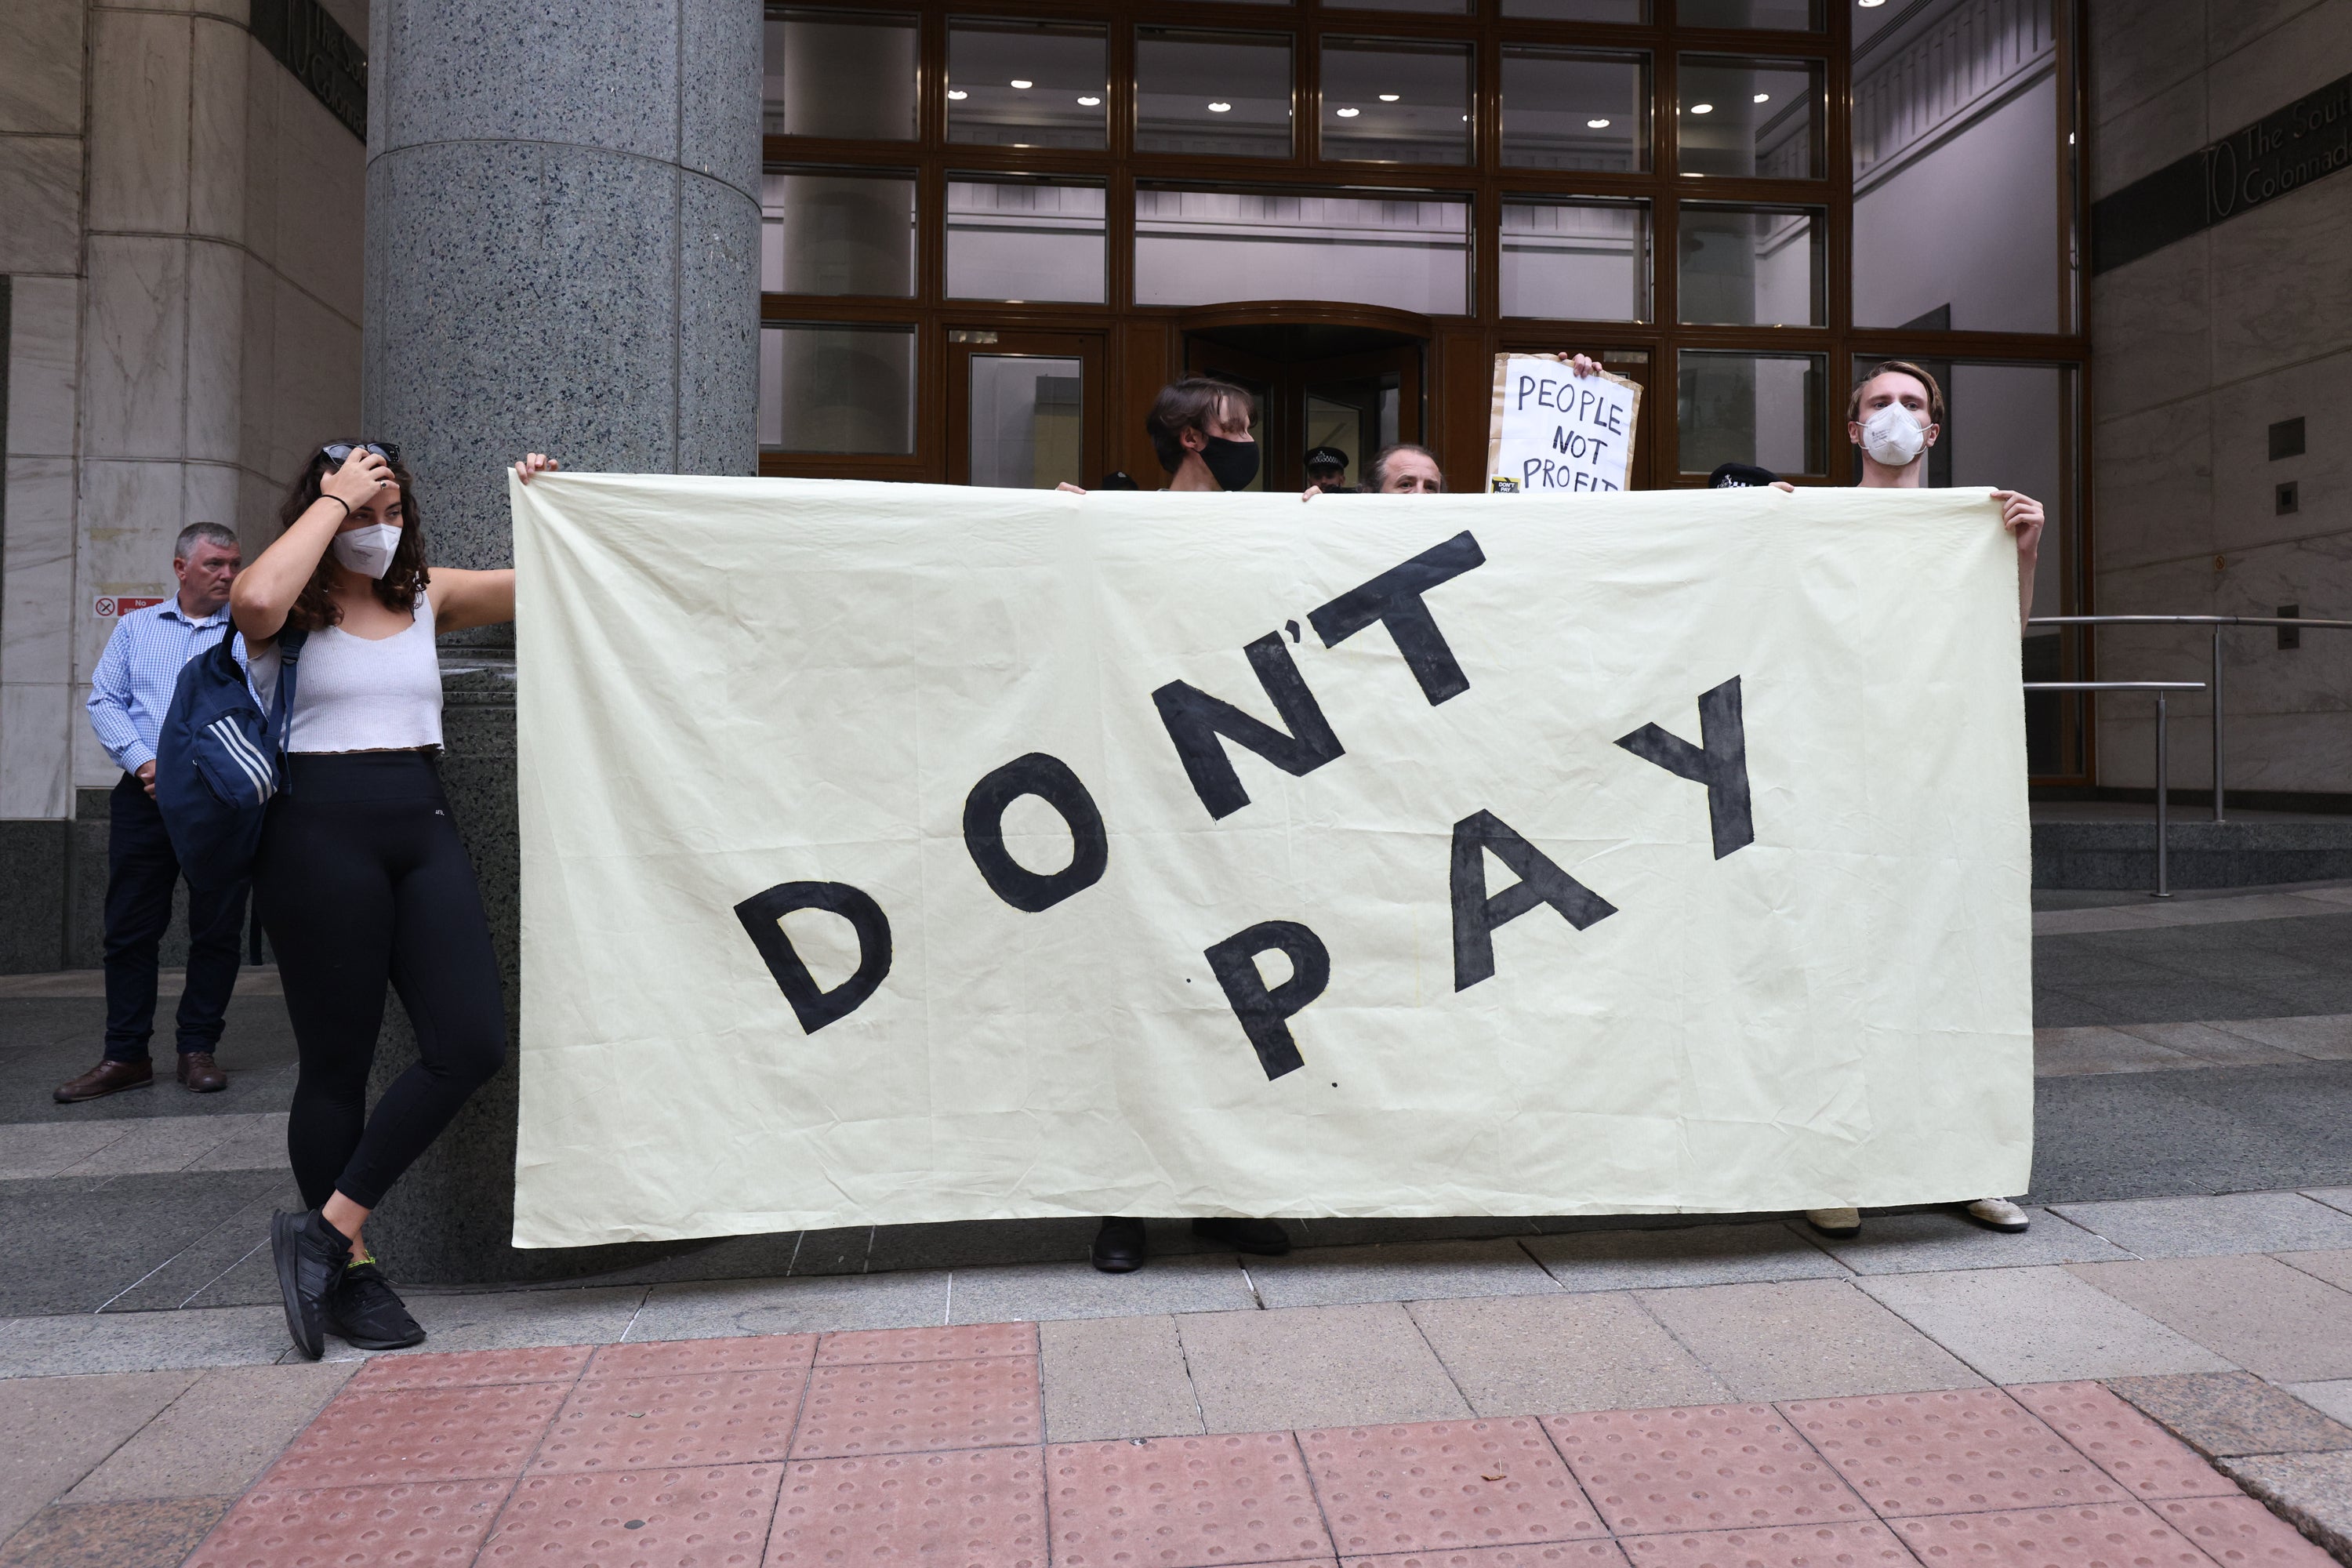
365, 1314
1118, 1246
1265, 1237
310, 1255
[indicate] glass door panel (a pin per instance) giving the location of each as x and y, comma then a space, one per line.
1024, 409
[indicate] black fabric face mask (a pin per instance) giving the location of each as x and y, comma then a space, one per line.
1233, 464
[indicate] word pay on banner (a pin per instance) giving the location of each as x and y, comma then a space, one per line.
1552, 429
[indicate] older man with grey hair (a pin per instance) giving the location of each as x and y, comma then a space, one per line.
128, 693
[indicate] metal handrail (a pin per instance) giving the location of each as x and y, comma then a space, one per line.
2163, 690
2217, 623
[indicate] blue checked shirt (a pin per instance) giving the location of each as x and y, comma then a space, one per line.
135, 676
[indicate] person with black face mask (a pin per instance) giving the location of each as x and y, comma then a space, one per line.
1200, 429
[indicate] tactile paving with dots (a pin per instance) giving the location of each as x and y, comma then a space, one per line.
420, 1434
640, 1423
713, 1517
908, 1407
2104, 1535
1438, 1484
679, 1358
1701, 1468
1182, 1502
2149, 1461
469, 1369
1603, 1553
1859, 1544
967, 1342
1951, 1451
981, 1507
2239, 1532
432, 1524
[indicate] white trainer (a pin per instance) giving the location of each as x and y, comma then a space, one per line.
1998, 1214
1837, 1223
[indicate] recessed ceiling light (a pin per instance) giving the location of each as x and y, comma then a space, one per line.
1598, 124
957, 95
1219, 108
1349, 114
1702, 109
1390, 97
1091, 100
1024, 86
1870, 4
1763, 98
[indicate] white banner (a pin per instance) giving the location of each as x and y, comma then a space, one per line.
900, 853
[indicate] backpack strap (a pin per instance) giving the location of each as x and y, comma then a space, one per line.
281, 711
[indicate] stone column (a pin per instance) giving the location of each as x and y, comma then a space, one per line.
563, 238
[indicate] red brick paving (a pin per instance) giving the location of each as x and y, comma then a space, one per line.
924, 1449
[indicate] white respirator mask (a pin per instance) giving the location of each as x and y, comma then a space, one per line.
1893, 437
368, 550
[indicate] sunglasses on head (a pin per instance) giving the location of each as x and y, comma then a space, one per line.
339, 452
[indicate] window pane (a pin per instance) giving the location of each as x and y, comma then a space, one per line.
1764, 409
1795, 15
1751, 267
1750, 117
1027, 84
1209, 248
1569, 109
1427, 7
837, 389
1219, 93
1585, 260
1580, 10
1956, 165
1027, 421
1396, 103
1024, 239
837, 233
839, 73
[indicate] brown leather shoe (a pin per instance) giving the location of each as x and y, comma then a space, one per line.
199, 1074
108, 1077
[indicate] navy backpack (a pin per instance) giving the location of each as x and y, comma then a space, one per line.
219, 759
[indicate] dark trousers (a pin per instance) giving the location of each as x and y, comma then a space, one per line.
141, 872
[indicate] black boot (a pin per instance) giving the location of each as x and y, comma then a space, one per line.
1118, 1246
310, 1255
1265, 1237
363, 1312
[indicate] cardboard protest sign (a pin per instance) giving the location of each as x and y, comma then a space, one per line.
1552, 429
901, 853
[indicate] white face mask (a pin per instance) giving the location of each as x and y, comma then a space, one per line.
368, 550
1893, 436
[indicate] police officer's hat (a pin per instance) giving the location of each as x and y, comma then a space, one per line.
1740, 476
1327, 458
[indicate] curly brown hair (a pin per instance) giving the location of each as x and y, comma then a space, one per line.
314, 610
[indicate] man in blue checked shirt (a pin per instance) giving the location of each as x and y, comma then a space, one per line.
127, 696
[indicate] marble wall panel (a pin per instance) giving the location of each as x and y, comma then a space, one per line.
2153, 485
215, 348
2270, 68
2245, 477
40, 190
2150, 334
2146, 137
2232, 27
257, 406
36, 567
2301, 751
220, 62
316, 391
40, 69
2140, 48
208, 494
2280, 290
352, 15
86, 764
130, 515
719, 328
139, 121
533, 71
266, 84
44, 364
321, 200
2263, 677
36, 723
135, 377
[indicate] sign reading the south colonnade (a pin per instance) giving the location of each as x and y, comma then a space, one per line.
897, 853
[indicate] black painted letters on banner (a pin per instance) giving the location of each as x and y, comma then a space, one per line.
1050, 780
762, 916
1266, 1010
1394, 597
1542, 881
1195, 720
1720, 762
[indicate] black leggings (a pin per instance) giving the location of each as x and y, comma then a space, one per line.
362, 879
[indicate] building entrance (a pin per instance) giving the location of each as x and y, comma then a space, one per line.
1321, 376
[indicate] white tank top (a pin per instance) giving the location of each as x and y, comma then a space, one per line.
354, 694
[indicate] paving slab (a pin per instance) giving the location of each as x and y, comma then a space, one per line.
216, 1438
2333, 1400
1709, 1467
1540, 1355
141, 1342
160, 1143
1184, 1502
75, 1243
436, 1523
505, 1319
2153, 1465
2212, 1046
1315, 1366
1116, 1377
60, 1428
139, 1534
691, 1515
2230, 1415
2255, 1311
815, 1304
2214, 1226
2313, 1491
2336, 1198
257, 1146
1041, 1292
1803, 1339
1909, 1243
197, 1275
2099, 1535
1684, 1254
2322, 1037
33, 1149
2335, 1267
982, 1509
1955, 1450
2239, 1530
1440, 1484
2087, 1048
1401, 1271
2037, 1325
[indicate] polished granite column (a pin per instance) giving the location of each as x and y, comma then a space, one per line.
562, 256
